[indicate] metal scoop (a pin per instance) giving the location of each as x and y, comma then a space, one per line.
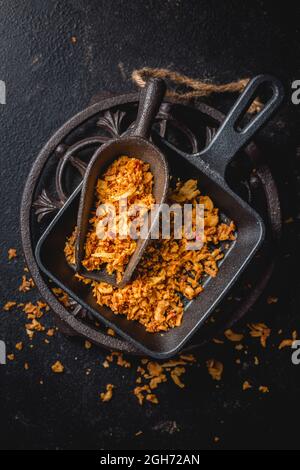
134, 143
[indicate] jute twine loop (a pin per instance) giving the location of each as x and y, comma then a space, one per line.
198, 88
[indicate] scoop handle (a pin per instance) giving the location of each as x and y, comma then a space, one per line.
151, 97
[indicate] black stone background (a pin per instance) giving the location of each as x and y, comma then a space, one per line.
48, 80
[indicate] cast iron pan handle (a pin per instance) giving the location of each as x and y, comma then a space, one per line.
151, 97
229, 139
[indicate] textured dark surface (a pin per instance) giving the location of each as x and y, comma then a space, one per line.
49, 77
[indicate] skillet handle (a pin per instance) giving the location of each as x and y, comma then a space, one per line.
229, 140
151, 97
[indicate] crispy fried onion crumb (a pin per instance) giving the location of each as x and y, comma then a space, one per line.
120, 361
111, 332
10, 304
264, 389
168, 272
288, 342
12, 253
62, 296
57, 367
217, 341
34, 312
126, 178
107, 395
153, 374
235, 337
215, 369
246, 385
26, 284
260, 330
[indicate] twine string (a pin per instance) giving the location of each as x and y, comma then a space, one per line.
198, 88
